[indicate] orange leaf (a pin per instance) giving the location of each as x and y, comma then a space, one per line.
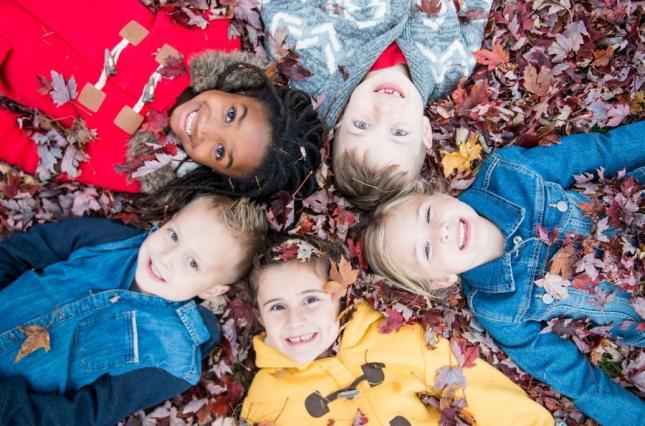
343, 273
335, 289
37, 337
537, 83
492, 58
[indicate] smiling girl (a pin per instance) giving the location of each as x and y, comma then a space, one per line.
317, 369
253, 138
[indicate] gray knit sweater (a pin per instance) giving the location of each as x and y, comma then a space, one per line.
329, 34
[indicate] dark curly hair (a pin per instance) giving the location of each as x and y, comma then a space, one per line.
291, 158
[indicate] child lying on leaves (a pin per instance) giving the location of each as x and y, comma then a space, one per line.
317, 369
98, 319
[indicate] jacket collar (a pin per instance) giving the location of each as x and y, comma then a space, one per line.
508, 217
355, 329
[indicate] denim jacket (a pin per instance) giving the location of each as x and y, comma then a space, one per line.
518, 189
98, 328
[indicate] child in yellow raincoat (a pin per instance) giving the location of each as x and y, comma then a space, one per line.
311, 376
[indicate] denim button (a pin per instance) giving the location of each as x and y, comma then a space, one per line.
547, 298
517, 240
562, 206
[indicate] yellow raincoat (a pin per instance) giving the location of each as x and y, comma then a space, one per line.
387, 372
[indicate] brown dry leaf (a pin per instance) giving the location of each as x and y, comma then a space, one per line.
37, 337
538, 84
343, 273
460, 160
563, 261
492, 58
335, 289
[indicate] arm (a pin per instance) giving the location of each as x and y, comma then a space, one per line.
557, 362
619, 148
43, 245
105, 402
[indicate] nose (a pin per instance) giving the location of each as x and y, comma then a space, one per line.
382, 108
165, 257
441, 232
297, 318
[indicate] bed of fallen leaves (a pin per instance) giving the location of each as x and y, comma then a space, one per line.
546, 68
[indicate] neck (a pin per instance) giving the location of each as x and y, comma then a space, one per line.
496, 242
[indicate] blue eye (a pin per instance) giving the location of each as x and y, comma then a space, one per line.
277, 307
360, 124
193, 264
219, 151
311, 299
399, 132
173, 235
230, 115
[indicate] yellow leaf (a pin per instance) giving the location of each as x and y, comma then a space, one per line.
37, 337
460, 160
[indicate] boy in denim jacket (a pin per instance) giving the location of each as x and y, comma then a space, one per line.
116, 307
373, 66
488, 236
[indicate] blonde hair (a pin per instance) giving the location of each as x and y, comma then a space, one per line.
366, 186
247, 220
380, 260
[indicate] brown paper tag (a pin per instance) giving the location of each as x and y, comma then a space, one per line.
166, 51
134, 32
91, 97
128, 120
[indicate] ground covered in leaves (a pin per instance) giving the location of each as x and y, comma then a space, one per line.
546, 68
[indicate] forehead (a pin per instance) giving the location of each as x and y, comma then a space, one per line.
203, 230
288, 279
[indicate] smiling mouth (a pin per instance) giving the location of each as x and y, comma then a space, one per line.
154, 272
463, 234
300, 340
189, 122
390, 89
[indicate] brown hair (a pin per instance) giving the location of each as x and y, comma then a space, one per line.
366, 186
380, 260
322, 255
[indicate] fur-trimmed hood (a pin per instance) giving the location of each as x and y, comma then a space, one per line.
205, 70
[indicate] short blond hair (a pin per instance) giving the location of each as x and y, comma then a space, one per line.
366, 186
248, 222
380, 260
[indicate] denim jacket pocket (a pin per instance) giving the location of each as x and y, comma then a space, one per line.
107, 341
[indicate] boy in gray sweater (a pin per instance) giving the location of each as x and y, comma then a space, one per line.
374, 65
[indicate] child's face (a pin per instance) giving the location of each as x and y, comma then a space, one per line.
300, 318
224, 131
384, 118
193, 254
437, 236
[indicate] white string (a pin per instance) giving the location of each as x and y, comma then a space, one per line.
115, 52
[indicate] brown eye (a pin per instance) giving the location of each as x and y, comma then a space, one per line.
219, 151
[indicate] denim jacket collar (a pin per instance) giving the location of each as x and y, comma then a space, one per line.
508, 217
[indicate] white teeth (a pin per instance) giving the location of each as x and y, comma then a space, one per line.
189, 122
299, 339
389, 92
462, 234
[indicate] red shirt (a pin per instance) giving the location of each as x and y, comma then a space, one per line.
390, 57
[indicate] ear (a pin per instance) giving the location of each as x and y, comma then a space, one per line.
427, 133
214, 291
443, 282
